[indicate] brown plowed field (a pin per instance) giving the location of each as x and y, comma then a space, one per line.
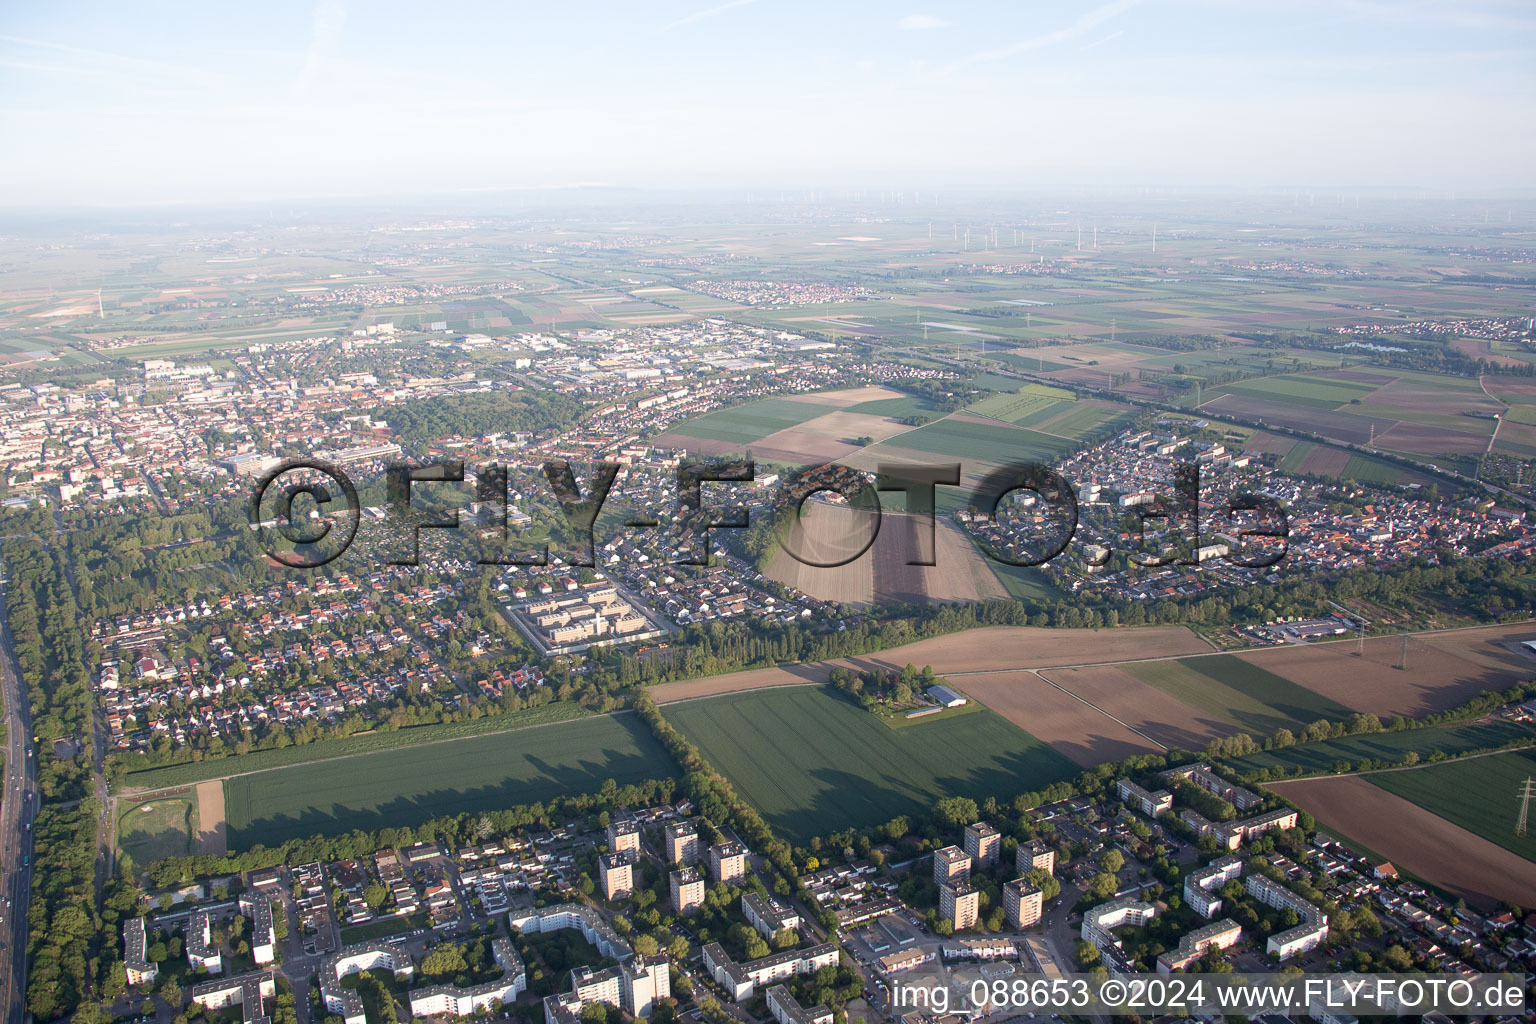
1271, 444
1323, 461
1143, 707
1082, 733
825, 438
1415, 840
1444, 669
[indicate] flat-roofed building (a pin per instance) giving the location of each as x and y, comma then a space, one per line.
786, 1009
682, 843
624, 836
136, 963
616, 875
1149, 803
1035, 855
1309, 932
1099, 922
454, 1001
243, 990
1192, 946
687, 890
768, 918
742, 979
577, 916
258, 908
728, 862
951, 864
1022, 903
960, 902
1201, 887
983, 843
201, 949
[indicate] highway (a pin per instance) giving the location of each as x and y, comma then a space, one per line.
18, 807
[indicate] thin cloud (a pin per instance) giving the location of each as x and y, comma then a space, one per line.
921, 22
1085, 23
1099, 42
330, 19
689, 19
140, 63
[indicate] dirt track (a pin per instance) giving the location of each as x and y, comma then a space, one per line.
212, 830
1415, 840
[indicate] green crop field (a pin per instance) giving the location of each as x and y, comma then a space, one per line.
1369, 471
411, 785
754, 421
812, 762
1232, 691
1306, 392
1478, 794
895, 408
987, 442
359, 743
1083, 420
1389, 747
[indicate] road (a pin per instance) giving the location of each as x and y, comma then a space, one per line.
18, 807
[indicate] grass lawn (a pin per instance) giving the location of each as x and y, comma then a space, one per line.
411, 785
159, 828
1478, 794
812, 762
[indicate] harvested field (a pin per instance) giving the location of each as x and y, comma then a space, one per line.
1444, 669
881, 574
1424, 439
829, 533
1340, 426
988, 649
1141, 706
825, 438
1085, 734
1415, 840
212, 831
1324, 461
1268, 444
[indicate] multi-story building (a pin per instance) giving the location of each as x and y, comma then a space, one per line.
201, 949
951, 864
1309, 933
634, 986
960, 902
1200, 887
983, 843
728, 862
616, 874
1099, 923
768, 918
786, 1009
344, 1002
263, 939
579, 917
683, 843
1221, 934
624, 836
1201, 775
243, 990
437, 1000
741, 980
1035, 855
1151, 804
1022, 903
687, 890
140, 969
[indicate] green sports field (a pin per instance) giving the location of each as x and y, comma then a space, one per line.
411, 785
1479, 794
812, 762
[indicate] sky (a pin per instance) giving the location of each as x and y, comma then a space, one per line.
111, 103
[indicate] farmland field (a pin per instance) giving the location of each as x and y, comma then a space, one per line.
1390, 747
1416, 840
984, 441
1444, 669
408, 786
812, 762
744, 424
1228, 691
1478, 794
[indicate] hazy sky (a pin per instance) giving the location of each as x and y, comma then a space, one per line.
114, 102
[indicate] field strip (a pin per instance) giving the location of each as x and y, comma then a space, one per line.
1106, 714
137, 793
1404, 768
